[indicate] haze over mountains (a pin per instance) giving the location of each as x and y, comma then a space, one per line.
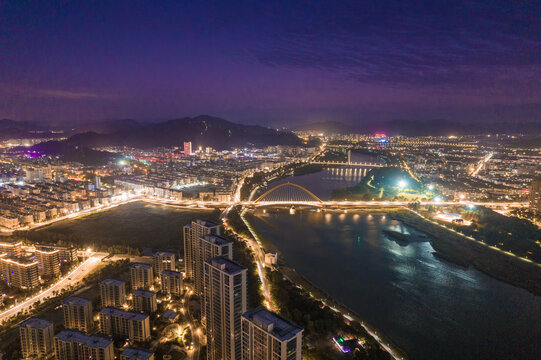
437, 127
146, 134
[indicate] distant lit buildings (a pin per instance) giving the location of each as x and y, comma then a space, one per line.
21, 273
192, 234
76, 345
145, 301
77, 314
136, 354
141, 276
171, 282
224, 303
164, 260
36, 337
187, 148
535, 196
48, 262
113, 293
124, 324
268, 336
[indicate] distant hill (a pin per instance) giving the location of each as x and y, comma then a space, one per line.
327, 127
21, 125
106, 126
201, 131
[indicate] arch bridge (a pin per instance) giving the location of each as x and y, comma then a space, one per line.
288, 194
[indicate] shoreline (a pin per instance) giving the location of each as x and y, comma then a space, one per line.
319, 294
350, 315
464, 252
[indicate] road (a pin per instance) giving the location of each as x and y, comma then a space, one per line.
71, 279
194, 353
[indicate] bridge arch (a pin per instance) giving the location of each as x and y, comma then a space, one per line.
270, 191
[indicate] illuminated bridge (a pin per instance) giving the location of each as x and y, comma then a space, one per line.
288, 194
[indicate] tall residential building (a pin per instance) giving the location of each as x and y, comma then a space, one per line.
36, 337
224, 302
208, 247
13, 249
171, 282
164, 260
192, 233
124, 324
77, 313
187, 148
113, 293
145, 301
268, 336
48, 262
535, 196
136, 354
21, 273
76, 345
141, 276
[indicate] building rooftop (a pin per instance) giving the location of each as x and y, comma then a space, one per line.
141, 265
171, 273
126, 314
74, 300
217, 240
226, 265
112, 282
164, 253
95, 341
137, 353
272, 323
36, 323
205, 223
170, 314
145, 293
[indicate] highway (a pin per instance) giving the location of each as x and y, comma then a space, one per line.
72, 278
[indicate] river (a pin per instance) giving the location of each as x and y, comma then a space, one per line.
430, 309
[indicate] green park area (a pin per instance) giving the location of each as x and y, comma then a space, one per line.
386, 183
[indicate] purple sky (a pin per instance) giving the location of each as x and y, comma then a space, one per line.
270, 62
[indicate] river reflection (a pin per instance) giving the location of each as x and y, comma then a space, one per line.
429, 308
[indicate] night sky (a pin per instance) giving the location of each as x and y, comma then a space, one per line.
271, 63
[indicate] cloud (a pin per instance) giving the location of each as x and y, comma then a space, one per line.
67, 94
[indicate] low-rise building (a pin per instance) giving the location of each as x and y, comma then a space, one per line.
21, 273
124, 324
12, 249
164, 260
145, 301
65, 253
77, 313
48, 262
36, 337
76, 345
136, 354
171, 282
141, 276
113, 293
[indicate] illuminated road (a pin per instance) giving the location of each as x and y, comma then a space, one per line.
196, 333
71, 279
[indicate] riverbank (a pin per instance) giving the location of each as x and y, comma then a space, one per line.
464, 252
349, 315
